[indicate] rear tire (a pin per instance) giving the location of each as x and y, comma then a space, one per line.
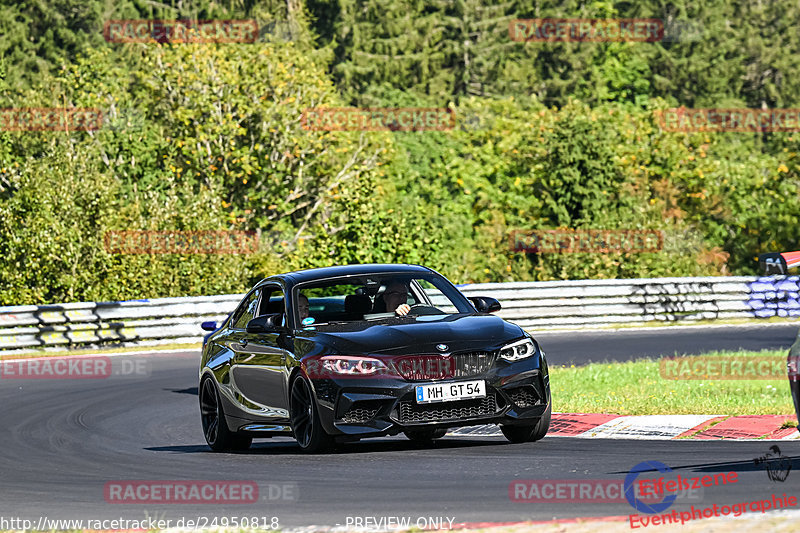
304, 415
425, 436
537, 431
215, 429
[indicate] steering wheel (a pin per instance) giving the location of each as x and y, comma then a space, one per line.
423, 309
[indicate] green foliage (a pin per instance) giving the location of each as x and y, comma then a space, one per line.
197, 137
446, 49
548, 135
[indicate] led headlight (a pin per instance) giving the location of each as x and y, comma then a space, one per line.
518, 350
351, 365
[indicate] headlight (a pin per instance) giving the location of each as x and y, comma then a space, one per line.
351, 365
793, 366
518, 350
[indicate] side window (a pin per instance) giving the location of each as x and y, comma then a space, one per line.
437, 297
273, 302
246, 312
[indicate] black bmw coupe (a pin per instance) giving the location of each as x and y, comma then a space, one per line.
347, 352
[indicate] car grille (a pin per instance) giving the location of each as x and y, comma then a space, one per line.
424, 367
524, 396
410, 411
435, 367
472, 363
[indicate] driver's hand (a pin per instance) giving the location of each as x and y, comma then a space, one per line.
403, 309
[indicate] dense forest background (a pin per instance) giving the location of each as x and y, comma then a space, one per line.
548, 135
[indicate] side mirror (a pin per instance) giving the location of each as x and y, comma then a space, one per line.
485, 304
772, 264
264, 323
209, 326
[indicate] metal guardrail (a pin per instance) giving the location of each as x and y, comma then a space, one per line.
532, 305
158, 321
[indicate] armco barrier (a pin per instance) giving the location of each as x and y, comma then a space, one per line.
164, 320
533, 305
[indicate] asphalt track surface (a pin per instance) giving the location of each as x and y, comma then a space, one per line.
64, 439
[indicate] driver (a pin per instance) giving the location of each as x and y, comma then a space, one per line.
395, 297
302, 305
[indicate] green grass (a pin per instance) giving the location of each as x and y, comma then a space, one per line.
637, 388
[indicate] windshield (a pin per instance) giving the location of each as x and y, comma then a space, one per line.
377, 297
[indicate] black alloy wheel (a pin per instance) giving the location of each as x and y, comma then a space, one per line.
215, 429
307, 429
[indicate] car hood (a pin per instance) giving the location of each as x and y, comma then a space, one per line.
404, 336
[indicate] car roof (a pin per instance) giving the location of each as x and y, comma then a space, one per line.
311, 274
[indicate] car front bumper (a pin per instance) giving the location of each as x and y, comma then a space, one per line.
516, 394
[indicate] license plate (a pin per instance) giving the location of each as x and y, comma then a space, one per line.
449, 392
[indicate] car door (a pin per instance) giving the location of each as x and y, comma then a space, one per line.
259, 359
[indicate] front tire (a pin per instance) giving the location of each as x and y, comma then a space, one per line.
304, 415
215, 429
518, 434
541, 428
425, 436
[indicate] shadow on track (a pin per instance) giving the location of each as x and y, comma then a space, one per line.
290, 447
190, 390
730, 466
